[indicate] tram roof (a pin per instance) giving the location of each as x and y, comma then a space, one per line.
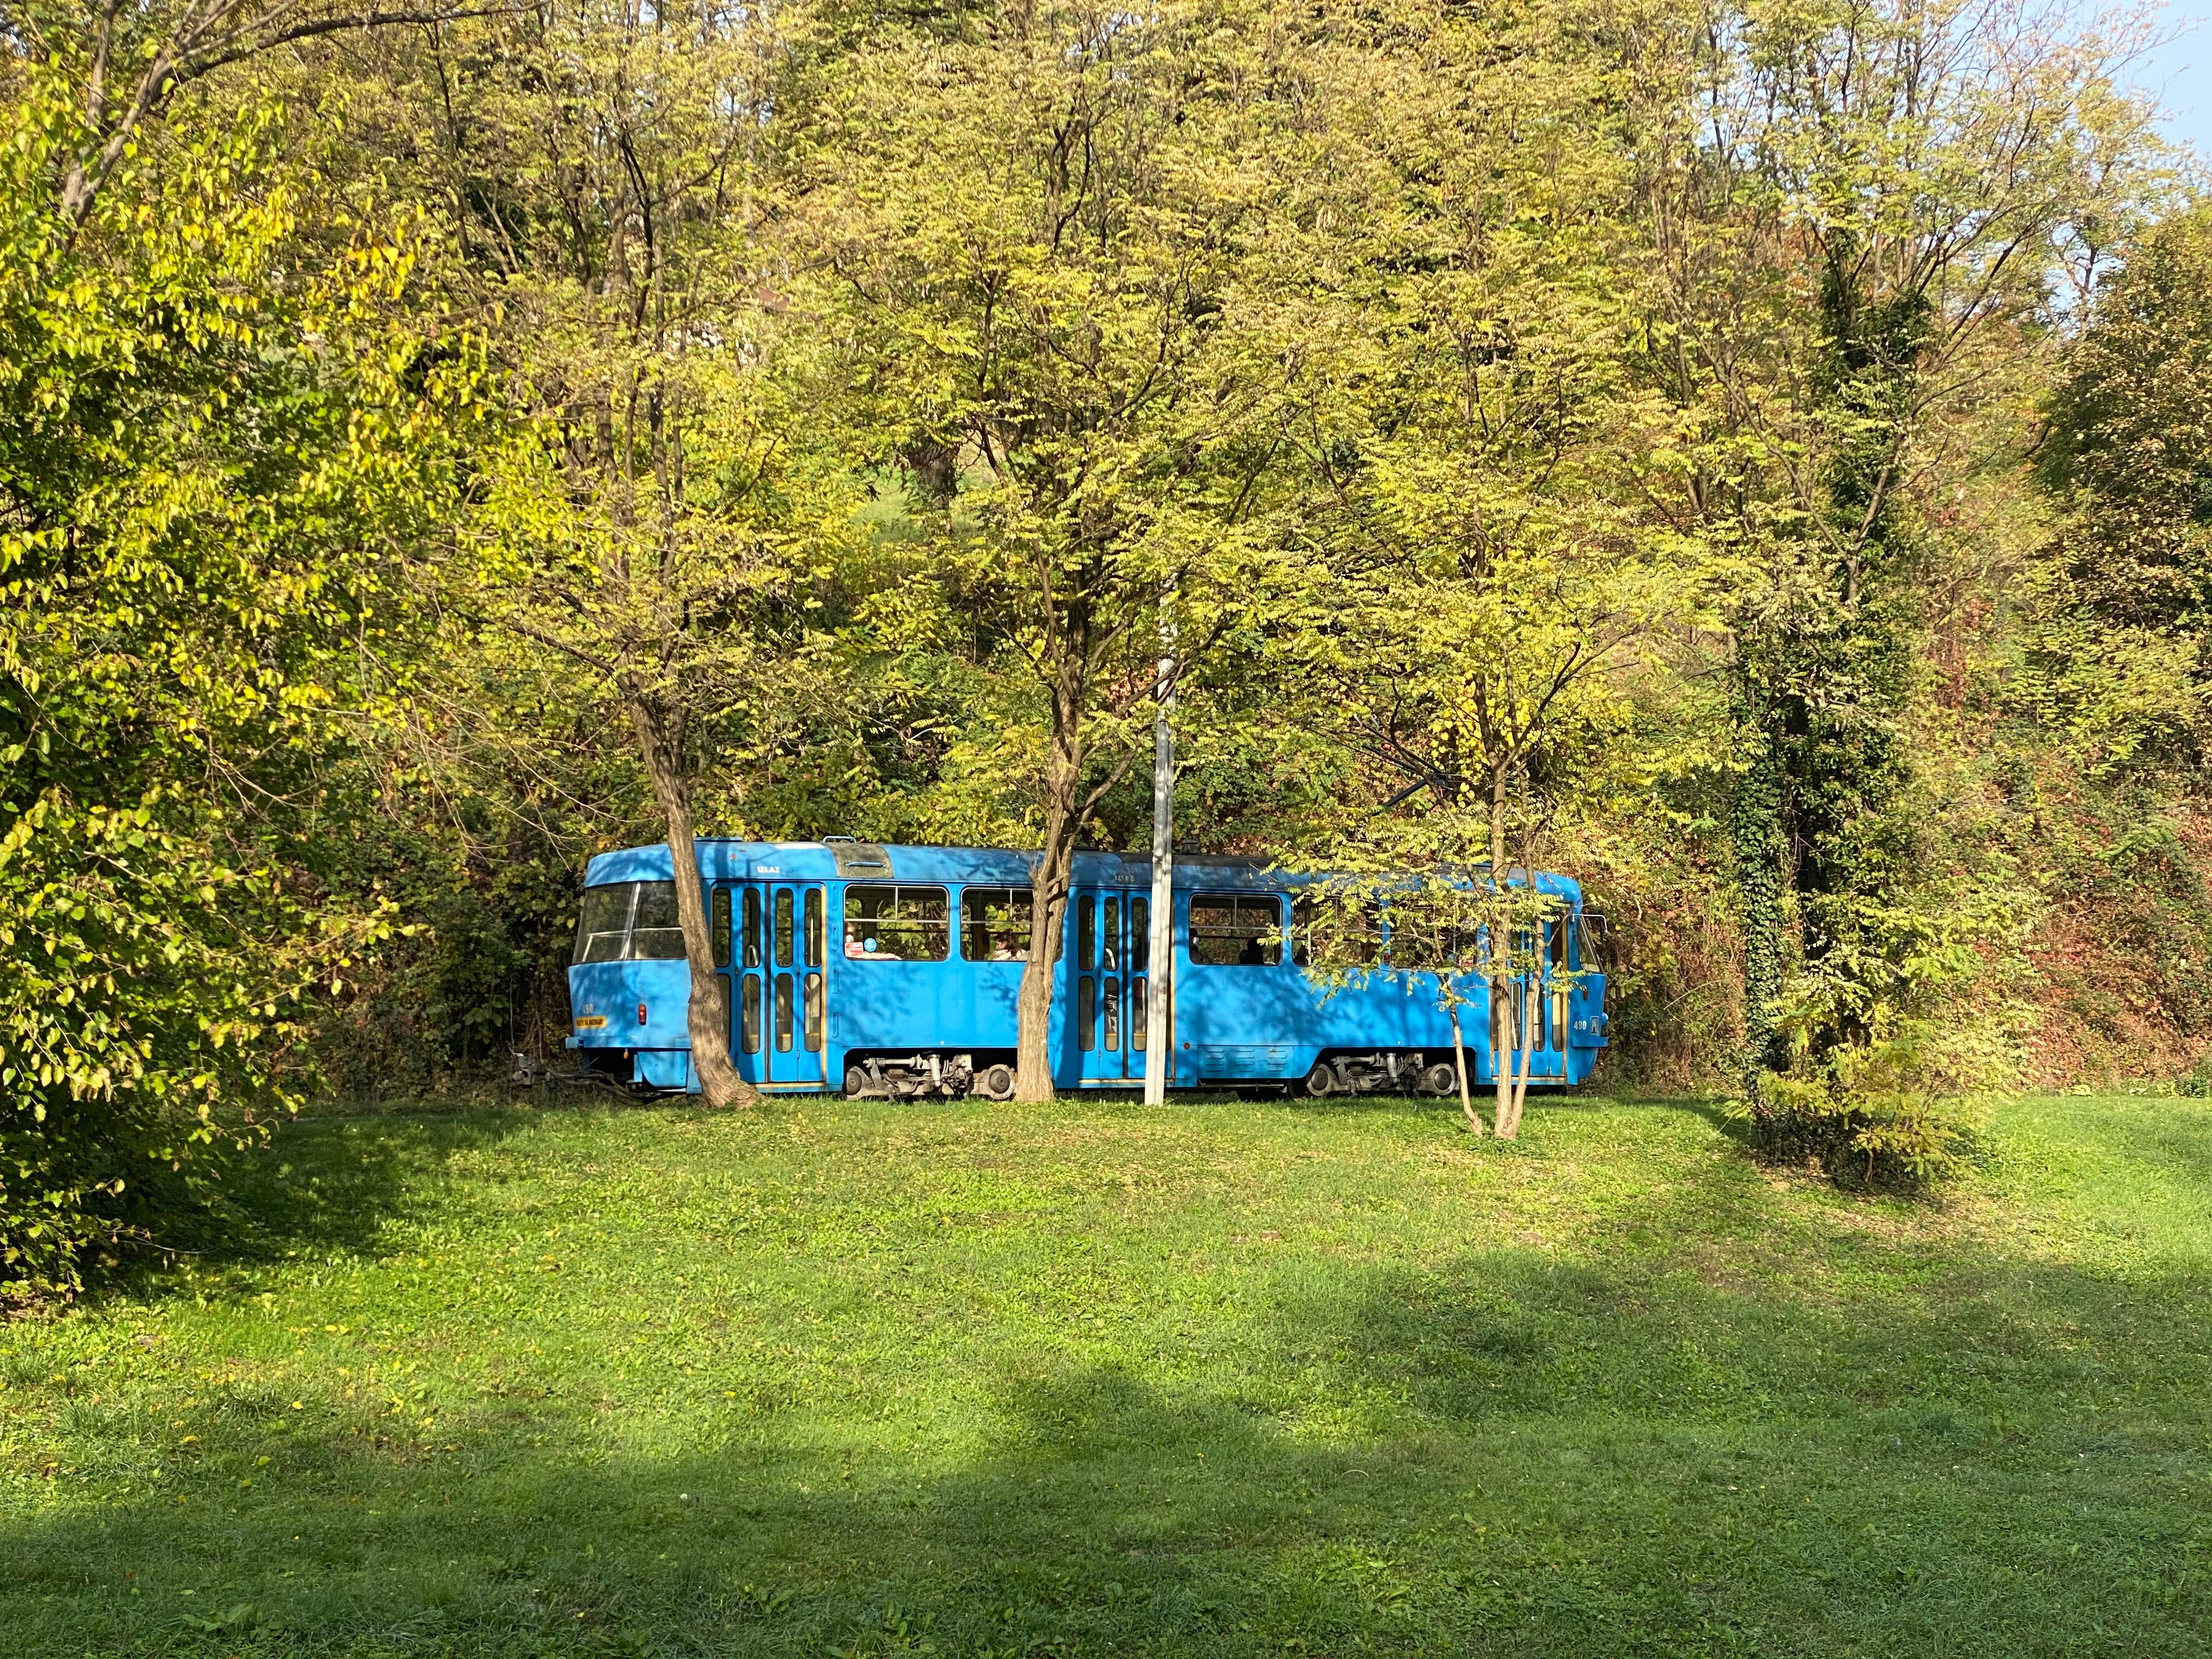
853, 860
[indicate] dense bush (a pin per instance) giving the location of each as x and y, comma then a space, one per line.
212, 443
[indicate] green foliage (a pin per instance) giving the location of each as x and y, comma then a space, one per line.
1076, 356
2118, 663
2129, 451
215, 441
477, 973
2104, 687
1883, 1111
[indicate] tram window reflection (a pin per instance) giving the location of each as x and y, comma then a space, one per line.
1235, 930
995, 924
897, 924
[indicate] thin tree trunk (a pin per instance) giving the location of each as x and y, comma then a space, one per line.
1055, 864
1509, 1104
1459, 1058
709, 1011
1525, 1061
1501, 954
1528, 1004
1755, 825
1501, 1053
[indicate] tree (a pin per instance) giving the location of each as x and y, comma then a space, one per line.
1859, 216
123, 64
2125, 659
1060, 343
1494, 579
655, 516
216, 436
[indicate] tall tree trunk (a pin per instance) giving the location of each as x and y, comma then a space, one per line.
1755, 826
709, 1011
1501, 950
1063, 812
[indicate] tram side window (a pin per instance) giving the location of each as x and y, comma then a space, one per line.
995, 924
897, 924
719, 925
1235, 930
1338, 933
1429, 937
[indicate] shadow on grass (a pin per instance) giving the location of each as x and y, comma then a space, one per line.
1445, 1109
334, 1180
2179, 1144
1713, 1423
331, 1183
1522, 1455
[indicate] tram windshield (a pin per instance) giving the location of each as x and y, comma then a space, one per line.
629, 921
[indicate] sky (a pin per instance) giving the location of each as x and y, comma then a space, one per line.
2179, 74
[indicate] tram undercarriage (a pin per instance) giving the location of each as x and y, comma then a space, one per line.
1385, 1071
927, 1076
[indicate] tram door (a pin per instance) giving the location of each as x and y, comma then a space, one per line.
1550, 1059
1542, 1001
1113, 940
781, 930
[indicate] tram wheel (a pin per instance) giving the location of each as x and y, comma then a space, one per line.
856, 1082
1321, 1082
997, 1082
1440, 1080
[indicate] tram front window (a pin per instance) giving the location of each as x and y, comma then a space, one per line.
629, 921
603, 922
655, 934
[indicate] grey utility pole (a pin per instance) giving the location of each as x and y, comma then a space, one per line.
1160, 1023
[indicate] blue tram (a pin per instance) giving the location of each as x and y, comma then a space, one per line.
893, 970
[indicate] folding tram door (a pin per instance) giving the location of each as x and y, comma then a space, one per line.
1112, 933
1542, 999
1549, 1063
779, 993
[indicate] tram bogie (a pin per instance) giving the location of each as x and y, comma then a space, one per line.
1383, 1070
923, 1076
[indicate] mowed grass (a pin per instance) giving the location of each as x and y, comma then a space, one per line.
1222, 1378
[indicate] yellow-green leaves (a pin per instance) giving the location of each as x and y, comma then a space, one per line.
201, 518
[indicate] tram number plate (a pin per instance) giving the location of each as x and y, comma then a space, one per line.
592, 1023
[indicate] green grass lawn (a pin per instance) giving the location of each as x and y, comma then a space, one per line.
1218, 1378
